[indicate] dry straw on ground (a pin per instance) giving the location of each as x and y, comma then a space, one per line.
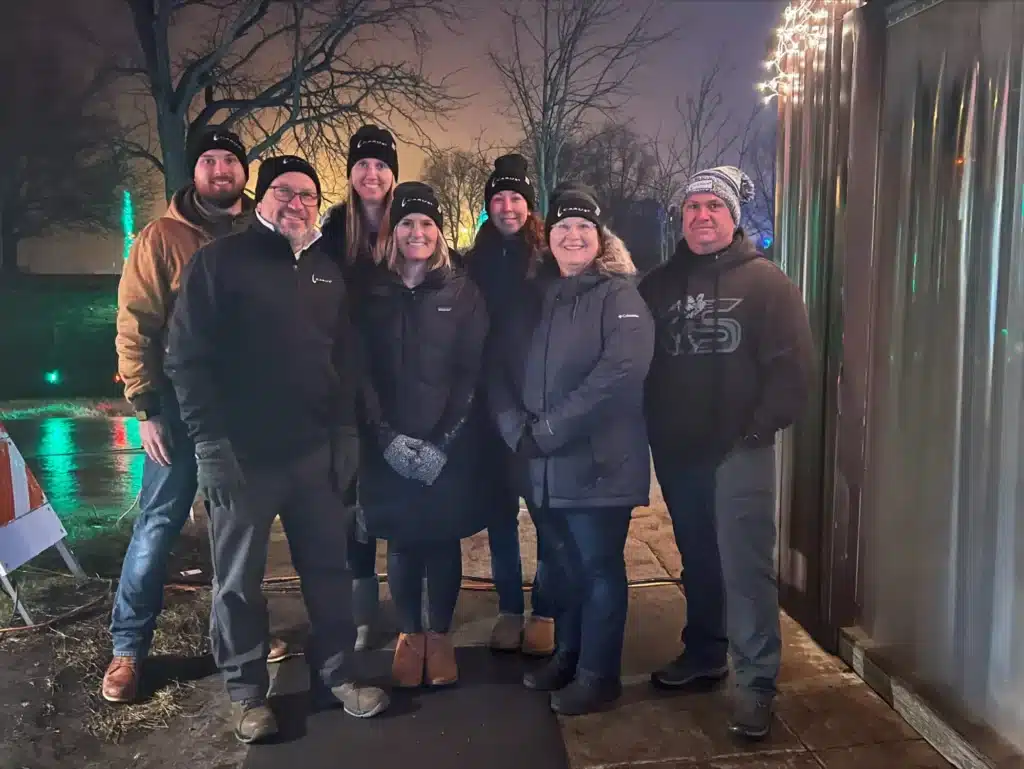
85, 648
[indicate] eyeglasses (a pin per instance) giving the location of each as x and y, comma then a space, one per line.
286, 194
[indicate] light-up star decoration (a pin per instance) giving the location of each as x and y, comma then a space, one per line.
805, 28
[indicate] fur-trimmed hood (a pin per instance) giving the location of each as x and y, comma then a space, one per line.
614, 259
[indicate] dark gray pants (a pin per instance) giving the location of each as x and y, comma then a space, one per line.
724, 523
316, 524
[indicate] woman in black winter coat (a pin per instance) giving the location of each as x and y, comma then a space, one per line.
350, 234
422, 326
567, 392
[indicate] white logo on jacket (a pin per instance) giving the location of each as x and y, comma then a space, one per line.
701, 326
321, 280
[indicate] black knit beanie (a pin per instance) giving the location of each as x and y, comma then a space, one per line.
271, 168
415, 198
572, 200
510, 175
374, 143
214, 138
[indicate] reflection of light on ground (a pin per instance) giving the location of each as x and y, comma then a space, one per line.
124, 436
57, 462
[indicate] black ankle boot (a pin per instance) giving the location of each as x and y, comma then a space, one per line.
554, 674
588, 693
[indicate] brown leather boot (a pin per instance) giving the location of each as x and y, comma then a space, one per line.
539, 636
121, 681
407, 666
442, 670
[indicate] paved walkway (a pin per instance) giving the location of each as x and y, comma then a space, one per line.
826, 716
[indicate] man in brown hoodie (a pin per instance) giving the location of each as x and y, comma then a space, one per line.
732, 366
204, 210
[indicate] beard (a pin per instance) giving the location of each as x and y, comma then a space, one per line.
221, 198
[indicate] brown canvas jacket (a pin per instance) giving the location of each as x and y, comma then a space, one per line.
146, 294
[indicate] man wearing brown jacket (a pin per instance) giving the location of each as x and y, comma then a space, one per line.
200, 212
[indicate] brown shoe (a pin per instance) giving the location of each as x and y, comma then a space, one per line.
442, 669
539, 636
121, 681
254, 721
407, 666
280, 651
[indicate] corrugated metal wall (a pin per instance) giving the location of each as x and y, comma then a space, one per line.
901, 210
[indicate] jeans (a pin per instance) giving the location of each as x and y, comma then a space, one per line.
507, 565
723, 517
441, 564
316, 524
585, 557
165, 501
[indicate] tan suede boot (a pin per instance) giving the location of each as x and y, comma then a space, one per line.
442, 670
539, 636
410, 656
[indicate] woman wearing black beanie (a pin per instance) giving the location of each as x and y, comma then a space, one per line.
422, 326
351, 231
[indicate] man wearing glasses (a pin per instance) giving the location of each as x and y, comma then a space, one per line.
261, 354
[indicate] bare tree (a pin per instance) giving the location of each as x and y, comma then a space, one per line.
707, 136
617, 163
567, 60
758, 159
58, 168
458, 177
302, 72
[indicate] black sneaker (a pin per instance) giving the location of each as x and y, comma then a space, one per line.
588, 693
751, 716
684, 673
557, 673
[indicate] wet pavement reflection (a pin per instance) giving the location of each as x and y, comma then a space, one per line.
90, 468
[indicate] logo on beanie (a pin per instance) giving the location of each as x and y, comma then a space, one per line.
701, 185
386, 145
514, 179
595, 211
429, 203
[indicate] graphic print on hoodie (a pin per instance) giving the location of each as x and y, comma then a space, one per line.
733, 352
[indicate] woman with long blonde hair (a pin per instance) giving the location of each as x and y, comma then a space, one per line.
351, 230
422, 325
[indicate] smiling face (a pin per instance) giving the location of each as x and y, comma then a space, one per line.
416, 236
574, 243
707, 224
291, 204
509, 211
219, 178
372, 180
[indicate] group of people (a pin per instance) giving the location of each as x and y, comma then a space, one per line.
356, 377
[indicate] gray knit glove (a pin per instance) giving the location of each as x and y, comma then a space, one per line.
219, 474
402, 454
429, 464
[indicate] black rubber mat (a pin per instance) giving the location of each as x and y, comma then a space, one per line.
487, 721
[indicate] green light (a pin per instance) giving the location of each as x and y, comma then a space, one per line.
483, 218
127, 222
52, 377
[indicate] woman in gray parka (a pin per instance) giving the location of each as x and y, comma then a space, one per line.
566, 389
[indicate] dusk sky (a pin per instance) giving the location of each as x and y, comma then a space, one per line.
735, 32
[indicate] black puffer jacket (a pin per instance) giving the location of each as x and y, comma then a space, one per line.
422, 350
359, 272
571, 374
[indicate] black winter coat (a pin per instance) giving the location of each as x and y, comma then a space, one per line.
422, 349
571, 377
260, 347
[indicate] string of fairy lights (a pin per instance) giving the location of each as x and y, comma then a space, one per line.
805, 29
